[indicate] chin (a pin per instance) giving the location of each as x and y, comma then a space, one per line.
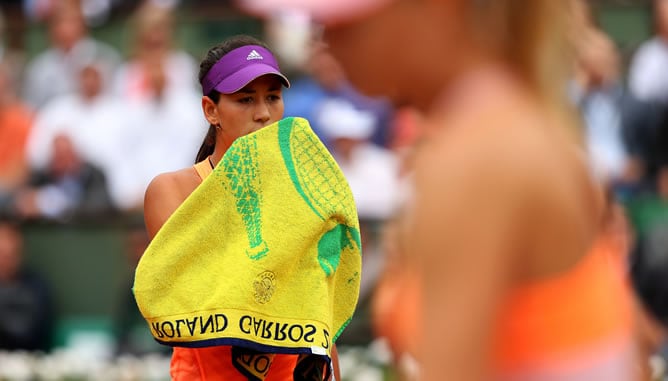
361, 71
371, 86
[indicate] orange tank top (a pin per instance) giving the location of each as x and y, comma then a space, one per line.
574, 326
215, 363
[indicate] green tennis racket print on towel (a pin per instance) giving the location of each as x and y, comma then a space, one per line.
321, 184
242, 172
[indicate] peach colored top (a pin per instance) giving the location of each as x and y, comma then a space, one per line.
574, 326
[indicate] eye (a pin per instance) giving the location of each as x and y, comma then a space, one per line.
273, 97
245, 100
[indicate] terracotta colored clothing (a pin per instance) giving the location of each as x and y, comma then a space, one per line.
396, 309
15, 123
573, 326
576, 325
203, 168
215, 363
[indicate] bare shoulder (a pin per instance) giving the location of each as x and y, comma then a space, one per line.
164, 194
523, 171
483, 152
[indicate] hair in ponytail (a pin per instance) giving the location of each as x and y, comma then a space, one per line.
208, 145
533, 37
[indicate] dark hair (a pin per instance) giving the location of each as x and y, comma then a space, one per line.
212, 56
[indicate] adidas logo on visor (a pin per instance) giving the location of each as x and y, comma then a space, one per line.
253, 55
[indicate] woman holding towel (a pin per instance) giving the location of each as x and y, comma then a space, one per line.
242, 93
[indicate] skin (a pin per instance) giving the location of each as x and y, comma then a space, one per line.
257, 105
66, 27
518, 204
90, 82
367, 50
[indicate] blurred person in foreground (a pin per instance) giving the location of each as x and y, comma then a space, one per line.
506, 218
54, 71
25, 298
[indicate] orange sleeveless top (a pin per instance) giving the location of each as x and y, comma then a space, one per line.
204, 168
574, 326
215, 363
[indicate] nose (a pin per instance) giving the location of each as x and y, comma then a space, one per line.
262, 114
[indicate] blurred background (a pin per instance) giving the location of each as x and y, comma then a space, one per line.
99, 96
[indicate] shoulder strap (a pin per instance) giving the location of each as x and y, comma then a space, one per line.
203, 168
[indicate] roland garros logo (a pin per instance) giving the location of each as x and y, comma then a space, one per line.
264, 286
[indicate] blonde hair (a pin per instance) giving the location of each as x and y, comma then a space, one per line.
532, 36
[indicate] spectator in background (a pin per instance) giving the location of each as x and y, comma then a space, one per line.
373, 175
15, 123
25, 300
161, 133
153, 44
69, 188
91, 118
599, 95
647, 73
325, 79
371, 171
506, 217
162, 127
54, 72
621, 131
11, 57
604, 103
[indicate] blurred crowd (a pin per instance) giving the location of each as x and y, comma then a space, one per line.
85, 126
85, 130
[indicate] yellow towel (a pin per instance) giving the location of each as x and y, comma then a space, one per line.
264, 254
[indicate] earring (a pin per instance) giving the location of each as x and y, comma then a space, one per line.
217, 126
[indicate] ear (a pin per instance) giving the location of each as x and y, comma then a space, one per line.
210, 110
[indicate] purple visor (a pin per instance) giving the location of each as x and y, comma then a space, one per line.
239, 67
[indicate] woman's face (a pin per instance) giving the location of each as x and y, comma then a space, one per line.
257, 105
367, 51
392, 51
